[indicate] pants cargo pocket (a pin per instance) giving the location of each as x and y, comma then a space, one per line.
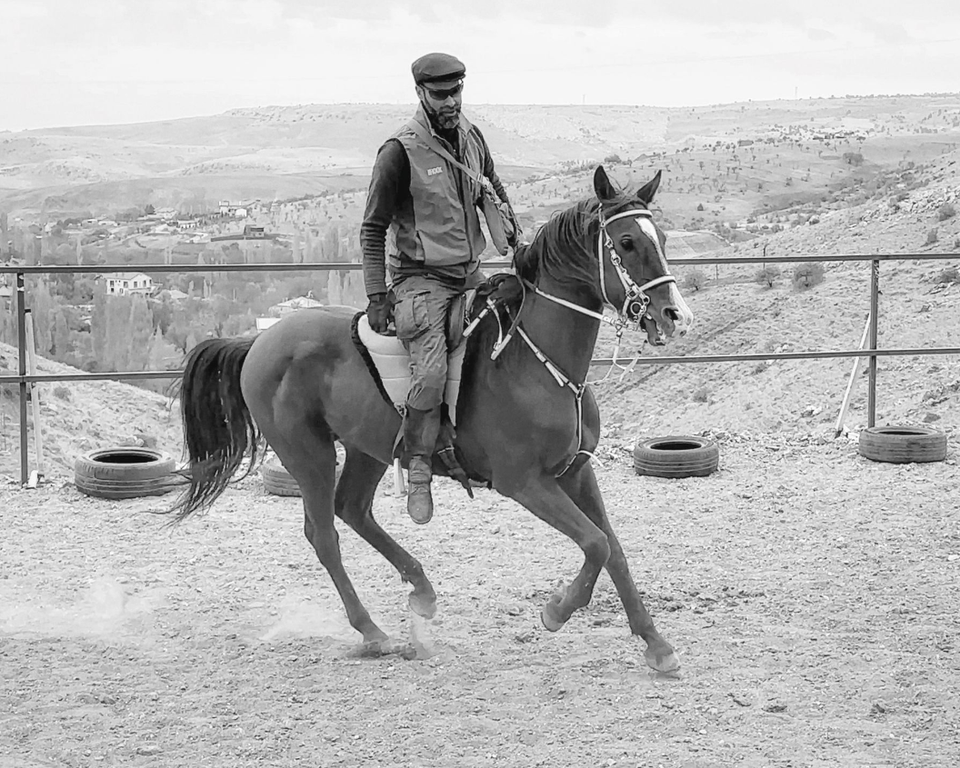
412, 316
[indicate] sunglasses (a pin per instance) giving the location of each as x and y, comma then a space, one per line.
446, 93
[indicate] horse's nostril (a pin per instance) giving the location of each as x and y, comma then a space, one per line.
671, 313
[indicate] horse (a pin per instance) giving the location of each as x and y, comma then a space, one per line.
526, 422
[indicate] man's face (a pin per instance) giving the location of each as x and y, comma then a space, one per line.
442, 105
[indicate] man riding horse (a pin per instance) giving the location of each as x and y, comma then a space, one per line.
427, 205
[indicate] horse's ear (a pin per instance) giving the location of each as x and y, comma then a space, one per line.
647, 191
603, 186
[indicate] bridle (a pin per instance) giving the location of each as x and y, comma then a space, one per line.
634, 307
635, 301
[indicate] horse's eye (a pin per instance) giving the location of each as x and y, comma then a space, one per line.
626, 244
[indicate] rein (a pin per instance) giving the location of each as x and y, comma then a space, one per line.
634, 305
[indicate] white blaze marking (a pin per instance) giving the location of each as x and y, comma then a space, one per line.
650, 230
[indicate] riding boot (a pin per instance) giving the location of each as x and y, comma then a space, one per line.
420, 430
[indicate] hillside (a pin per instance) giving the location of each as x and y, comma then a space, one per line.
891, 200
919, 307
78, 417
731, 158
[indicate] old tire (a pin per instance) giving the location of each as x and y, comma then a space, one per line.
903, 445
278, 481
125, 473
676, 456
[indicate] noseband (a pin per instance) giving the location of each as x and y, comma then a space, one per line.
635, 301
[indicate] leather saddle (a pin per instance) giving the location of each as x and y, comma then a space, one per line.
392, 361
388, 357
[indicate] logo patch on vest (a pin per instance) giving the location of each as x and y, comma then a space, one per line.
434, 171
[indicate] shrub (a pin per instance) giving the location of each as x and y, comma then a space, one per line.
768, 275
702, 395
807, 275
932, 236
949, 275
694, 280
61, 392
946, 211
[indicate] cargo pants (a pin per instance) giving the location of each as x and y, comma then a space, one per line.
420, 315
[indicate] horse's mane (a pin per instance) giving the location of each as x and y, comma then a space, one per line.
563, 247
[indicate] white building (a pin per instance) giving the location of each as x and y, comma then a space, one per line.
128, 284
278, 311
292, 305
236, 210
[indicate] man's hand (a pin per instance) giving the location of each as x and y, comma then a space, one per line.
514, 238
380, 312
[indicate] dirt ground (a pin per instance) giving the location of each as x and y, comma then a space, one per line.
812, 596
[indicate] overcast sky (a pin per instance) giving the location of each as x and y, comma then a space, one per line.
77, 62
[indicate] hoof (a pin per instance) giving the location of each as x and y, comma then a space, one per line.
548, 614
424, 606
664, 661
375, 649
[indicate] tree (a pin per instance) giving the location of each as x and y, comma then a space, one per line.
62, 339
8, 324
162, 312
98, 322
137, 342
807, 275
42, 307
222, 309
768, 275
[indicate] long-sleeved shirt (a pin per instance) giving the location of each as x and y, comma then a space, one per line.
389, 190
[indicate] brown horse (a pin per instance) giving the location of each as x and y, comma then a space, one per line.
526, 422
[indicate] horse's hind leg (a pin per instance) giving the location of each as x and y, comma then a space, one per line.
354, 505
312, 461
583, 490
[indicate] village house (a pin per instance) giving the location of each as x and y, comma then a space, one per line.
277, 311
128, 284
236, 210
292, 305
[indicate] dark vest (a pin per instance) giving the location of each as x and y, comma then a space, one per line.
441, 228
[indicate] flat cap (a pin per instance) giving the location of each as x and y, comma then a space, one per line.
438, 70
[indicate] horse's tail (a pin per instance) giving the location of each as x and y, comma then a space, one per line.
218, 429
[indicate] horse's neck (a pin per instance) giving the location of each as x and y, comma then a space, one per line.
564, 335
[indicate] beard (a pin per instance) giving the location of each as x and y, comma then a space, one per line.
445, 119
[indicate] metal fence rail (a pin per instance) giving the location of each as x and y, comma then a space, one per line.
23, 379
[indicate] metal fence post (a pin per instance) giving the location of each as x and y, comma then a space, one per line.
22, 369
874, 306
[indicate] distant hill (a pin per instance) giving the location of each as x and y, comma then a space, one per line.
277, 153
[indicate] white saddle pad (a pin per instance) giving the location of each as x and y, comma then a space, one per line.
393, 364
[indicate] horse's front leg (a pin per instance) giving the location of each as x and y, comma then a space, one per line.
542, 495
583, 490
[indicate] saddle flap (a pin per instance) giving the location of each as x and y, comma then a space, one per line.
392, 363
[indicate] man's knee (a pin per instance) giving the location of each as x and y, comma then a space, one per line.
427, 394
